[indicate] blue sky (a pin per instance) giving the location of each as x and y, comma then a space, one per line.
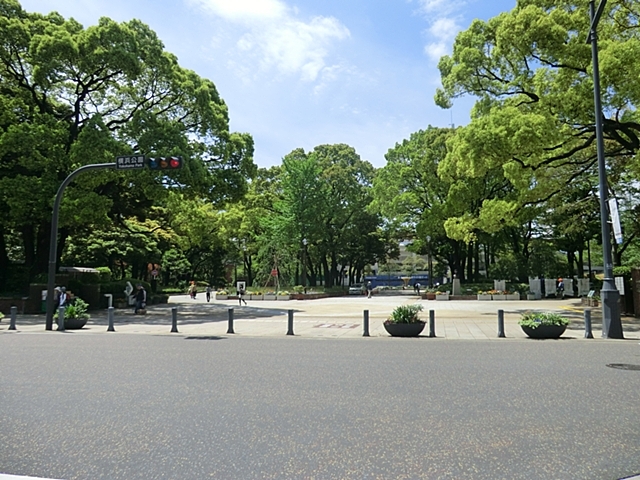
301, 73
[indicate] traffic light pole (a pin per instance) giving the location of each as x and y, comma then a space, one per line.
53, 242
611, 322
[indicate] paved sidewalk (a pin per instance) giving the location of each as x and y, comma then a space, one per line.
330, 318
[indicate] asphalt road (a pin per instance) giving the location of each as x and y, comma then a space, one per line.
160, 407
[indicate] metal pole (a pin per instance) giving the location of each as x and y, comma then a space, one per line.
366, 324
174, 320
611, 322
587, 323
53, 240
432, 323
110, 317
290, 322
230, 328
501, 324
61, 319
14, 314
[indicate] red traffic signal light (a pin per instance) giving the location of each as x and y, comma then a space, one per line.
165, 163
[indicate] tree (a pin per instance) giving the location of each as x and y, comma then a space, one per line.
534, 119
70, 96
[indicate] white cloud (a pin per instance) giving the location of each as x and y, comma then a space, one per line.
244, 10
274, 37
443, 25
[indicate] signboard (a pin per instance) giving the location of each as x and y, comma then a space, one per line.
128, 163
615, 220
154, 273
274, 272
619, 284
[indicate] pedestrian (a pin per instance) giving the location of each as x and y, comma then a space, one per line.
63, 298
208, 291
240, 295
417, 287
560, 288
193, 290
369, 288
141, 300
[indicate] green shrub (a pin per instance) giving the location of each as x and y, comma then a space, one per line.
535, 319
77, 309
405, 314
105, 274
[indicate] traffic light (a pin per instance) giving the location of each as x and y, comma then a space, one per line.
165, 163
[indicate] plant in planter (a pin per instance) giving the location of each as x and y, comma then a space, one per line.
283, 295
442, 295
75, 314
543, 325
484, 295
222, 295
404, 321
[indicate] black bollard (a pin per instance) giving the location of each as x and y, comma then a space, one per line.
501, 324
230, 329
110, 317
587, 323
290, 330
432, 323
61, 319
365, 324
14, 314
174, 320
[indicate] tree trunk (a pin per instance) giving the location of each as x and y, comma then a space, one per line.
470, 261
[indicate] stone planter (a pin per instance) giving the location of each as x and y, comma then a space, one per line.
430, 296
512, 296
74, 323
442, 296
544, 331
498, 297
531, 296
283, 297
404, 329
256, 296
221, 297
484, 296
270, 297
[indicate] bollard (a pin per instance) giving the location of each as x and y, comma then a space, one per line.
61, 319
365, 324
290, 330
432, 323
174, 320
110, 317
501, 324
14, 314
587, 323
230, 329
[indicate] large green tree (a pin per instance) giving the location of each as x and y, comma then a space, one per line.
534, 120
71, 96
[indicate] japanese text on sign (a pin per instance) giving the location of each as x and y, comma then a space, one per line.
124, 163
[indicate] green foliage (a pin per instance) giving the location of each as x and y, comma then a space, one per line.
78, 309
406, 314
105, 274
535, 319
71, 96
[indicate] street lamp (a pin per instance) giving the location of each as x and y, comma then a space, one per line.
611, 323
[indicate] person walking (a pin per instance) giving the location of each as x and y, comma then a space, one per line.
208, 292
369, 288
141, 299
240, 295
193, 290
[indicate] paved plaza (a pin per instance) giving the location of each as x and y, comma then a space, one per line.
339, 317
